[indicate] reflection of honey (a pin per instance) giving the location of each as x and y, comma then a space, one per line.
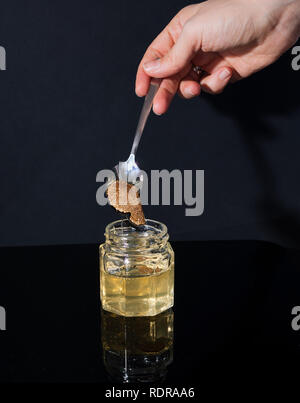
137, 349
139, 290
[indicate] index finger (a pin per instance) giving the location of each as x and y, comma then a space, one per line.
158, 48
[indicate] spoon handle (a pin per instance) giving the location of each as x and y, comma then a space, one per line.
154, 85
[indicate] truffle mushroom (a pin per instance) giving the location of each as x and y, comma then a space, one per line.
124, 197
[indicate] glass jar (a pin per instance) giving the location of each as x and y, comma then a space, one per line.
136, 269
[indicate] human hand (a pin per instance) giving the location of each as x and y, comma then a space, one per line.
228, 39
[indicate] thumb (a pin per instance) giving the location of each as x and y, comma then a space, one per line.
176, 59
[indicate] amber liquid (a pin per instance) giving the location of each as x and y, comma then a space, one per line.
144, 291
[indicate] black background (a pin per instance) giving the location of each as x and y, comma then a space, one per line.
68, 109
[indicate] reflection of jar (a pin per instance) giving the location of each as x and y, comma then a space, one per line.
137, 349
136, 269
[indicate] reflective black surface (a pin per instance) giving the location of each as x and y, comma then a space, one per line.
232, 316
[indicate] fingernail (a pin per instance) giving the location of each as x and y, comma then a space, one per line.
152, 66
224, 74
190, 92
154, 111
137, 93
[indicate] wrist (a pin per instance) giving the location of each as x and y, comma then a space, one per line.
281, 15
289, 22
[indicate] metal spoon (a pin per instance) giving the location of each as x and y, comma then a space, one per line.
129, 170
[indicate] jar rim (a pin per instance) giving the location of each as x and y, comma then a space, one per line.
155, 228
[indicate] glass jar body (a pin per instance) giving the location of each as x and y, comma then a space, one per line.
136, 270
